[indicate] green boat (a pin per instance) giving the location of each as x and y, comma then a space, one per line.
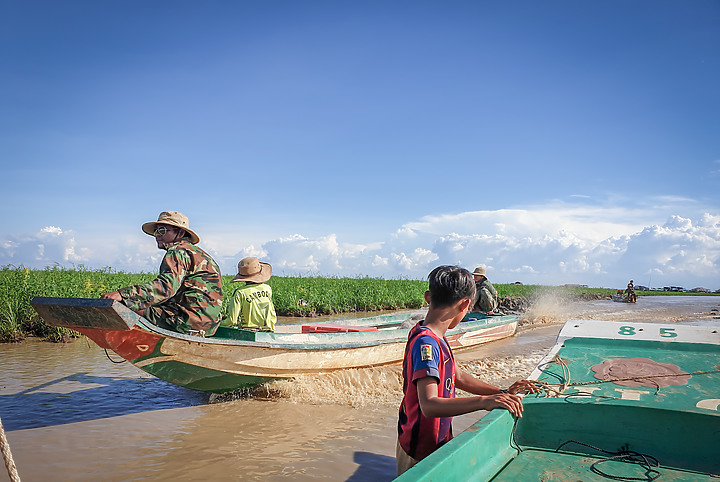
238, 358
618, 401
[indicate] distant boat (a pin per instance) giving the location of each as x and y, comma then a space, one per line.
618, 401
236, 358
623, 299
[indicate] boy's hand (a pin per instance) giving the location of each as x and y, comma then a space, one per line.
512, 403
525, 386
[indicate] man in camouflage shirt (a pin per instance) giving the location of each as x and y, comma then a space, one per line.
486, 297
187, 294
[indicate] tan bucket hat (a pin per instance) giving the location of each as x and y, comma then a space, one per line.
171, 218
479, 271
250, 269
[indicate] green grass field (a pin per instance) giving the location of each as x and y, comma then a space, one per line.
292, 296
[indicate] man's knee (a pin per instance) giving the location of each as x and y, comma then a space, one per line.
166, 319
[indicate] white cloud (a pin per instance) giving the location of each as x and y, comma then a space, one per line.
49, 246
585, 222
680, 249
551, 244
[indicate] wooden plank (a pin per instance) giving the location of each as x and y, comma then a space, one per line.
84, 313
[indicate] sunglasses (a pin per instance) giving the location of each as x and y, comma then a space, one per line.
161, 230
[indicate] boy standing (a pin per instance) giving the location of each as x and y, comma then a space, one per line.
430, 375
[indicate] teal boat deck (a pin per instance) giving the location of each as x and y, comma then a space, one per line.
552, 466
665, 408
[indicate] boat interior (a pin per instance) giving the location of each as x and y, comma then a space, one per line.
683, 444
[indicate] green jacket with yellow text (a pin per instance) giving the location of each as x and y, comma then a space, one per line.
251, 306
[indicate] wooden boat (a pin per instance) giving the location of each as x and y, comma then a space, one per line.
619, 401
236, 358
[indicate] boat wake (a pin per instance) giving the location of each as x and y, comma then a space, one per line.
381, 386
548, 308
502, 371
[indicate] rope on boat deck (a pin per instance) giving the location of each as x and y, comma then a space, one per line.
630, 456
7, 456
704, 372
566, 383
627, 456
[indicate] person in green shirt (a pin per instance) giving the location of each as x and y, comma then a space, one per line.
251, 305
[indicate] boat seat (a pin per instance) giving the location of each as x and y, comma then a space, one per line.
335, 328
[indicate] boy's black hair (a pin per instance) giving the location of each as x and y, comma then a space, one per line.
450, 284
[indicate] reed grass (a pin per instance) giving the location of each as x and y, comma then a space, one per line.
18, 285
292, 296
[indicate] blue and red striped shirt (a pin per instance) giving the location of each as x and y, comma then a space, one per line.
426, 355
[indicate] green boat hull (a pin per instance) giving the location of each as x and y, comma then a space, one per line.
201, 378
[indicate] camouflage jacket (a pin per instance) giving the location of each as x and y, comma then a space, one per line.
190, 280
486, 302
488, 285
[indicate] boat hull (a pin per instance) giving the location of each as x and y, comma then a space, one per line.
235, 359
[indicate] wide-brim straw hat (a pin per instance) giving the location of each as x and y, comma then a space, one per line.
250, 269
172, 218
479, 271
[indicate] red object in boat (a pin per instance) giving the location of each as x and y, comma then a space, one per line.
335, 328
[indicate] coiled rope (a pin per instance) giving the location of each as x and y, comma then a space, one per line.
7, 456
558, 389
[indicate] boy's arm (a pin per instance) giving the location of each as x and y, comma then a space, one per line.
470, 384
432, 405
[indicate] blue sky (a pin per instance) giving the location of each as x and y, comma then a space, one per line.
553, 142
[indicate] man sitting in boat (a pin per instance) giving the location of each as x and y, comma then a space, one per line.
485, 293
187, 294
251, 305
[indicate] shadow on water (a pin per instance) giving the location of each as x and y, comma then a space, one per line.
46, 405
373, 467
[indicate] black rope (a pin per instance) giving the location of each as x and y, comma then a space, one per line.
513, 438
108, 356
629, 456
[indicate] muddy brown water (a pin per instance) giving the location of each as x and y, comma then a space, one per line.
71, 414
